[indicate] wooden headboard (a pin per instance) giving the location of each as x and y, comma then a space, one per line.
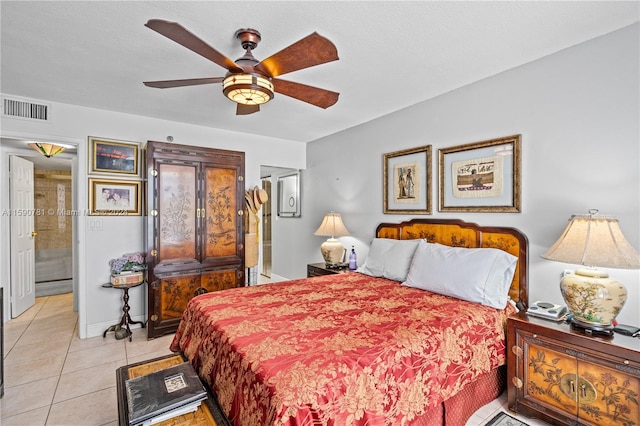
458, 233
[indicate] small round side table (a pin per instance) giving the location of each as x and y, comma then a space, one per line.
126, 318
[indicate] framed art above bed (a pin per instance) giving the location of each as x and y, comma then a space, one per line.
407, 181
481, 176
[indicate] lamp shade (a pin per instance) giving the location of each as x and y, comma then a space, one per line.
593, 240
332, 250
47, 149
332, 226
592, 297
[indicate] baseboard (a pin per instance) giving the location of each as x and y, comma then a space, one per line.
95, 330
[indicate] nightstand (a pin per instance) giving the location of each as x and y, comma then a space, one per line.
317, 269
565, 377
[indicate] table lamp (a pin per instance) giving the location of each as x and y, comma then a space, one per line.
332, 250
592, 297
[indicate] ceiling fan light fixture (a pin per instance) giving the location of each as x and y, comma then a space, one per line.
47, 149
247, 89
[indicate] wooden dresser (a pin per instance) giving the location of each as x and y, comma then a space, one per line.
194, 227
565, 377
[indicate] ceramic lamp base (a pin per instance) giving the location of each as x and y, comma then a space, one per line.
593, 299
332, 252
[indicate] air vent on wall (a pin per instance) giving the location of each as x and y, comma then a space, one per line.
25, 109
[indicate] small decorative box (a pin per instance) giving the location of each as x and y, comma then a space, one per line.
125, 278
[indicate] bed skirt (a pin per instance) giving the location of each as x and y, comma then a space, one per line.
457, 410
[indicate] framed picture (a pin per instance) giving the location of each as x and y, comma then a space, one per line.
407, 181
481, 176
109, 156
114, 197
289, 195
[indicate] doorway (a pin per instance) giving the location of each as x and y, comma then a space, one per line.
269, 222
55, 219
54, 239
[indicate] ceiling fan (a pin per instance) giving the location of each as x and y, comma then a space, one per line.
248, 82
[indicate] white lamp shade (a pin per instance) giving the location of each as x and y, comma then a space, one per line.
332, 226
592, 240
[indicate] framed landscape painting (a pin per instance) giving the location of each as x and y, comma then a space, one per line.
407, 181
481, 176
110, 156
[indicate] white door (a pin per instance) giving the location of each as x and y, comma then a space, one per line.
23, 280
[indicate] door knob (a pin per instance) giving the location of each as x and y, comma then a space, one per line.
34, 234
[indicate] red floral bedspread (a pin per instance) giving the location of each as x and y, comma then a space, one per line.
343, 349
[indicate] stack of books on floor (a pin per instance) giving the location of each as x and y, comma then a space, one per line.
164, 394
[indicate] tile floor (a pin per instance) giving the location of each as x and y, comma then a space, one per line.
54, 378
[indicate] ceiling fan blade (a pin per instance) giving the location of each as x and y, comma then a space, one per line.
247, 109
307, 52
312, 95
181, 35
165, 84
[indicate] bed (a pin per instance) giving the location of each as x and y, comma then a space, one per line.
374, 347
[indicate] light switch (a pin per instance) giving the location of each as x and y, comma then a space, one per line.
94, 224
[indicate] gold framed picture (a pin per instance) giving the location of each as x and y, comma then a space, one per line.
481, 177
110, 156
407, 181
114, 197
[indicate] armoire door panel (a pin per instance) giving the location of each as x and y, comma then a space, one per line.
174, 293
219, 279
220, 215
177, 211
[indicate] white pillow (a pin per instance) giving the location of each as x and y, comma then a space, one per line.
389, 258
481, 275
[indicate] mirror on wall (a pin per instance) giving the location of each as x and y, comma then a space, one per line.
289, 195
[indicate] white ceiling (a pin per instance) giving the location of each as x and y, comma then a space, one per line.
392, 54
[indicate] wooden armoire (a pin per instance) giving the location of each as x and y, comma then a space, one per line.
194, 227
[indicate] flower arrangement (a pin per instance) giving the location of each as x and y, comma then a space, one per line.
128, 262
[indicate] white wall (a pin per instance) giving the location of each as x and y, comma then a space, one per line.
578, 112
100, 307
